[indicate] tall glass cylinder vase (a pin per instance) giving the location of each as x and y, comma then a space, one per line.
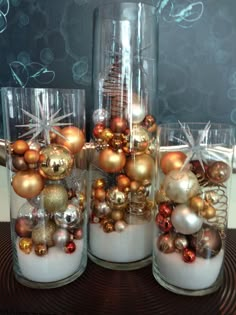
194, 181
44, 131
121, 170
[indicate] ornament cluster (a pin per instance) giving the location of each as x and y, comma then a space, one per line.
53, 212
192, 206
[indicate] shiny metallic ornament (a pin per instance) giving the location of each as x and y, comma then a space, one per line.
120, 226
111, 161
23, 226
139, 139
70, 247
197, 204
40, 249
31, 156
43, 233
54, 198
180, 186
53, 134
185, 220
181, 242
163, 223
108, 227
106, 135
34, 145
26, 245
56, 162
61, 237
149, 122
218, 172
117, 215
100, 116
140, 167
100, 194
212, 197
115, 196
99, 183
189, 255
20, 146
27, 184
165, 243
118, 125
19, 163
208, 212
101, 209
123, 182
39, 215
73, 139
137, 112
97, 130
165, 209
70, 218
172, 161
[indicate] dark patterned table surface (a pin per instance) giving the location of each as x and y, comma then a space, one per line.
104, 291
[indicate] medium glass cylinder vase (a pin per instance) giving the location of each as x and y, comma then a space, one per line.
194, 181
44, 132
121, 169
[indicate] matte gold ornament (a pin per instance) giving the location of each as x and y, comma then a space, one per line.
56, 162
26, 245
54, 198
197, 204
208, 212
20, 146
111, 161
218, 172
140, 167
172, 161
139, 139
19, 163
27, 184
180, 186
43, 233
40, 249
117, 215
75, 139
31, 156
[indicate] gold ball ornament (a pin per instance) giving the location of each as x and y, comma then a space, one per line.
43, 233
56, 162
197, 204
27, 184
31, 156
140, 167
208, 212
117, 215
115, 196
54, 198
26, 245
40, 249
172, 161
75, 139
106, 134
139, 139
111, 161
134, 186
99, 183
20, 146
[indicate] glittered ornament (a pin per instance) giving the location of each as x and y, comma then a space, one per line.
23, 226
54, 198
43, 233
111, 161
120, 225
163, 223
140, 167
56, 162
165, 243
25, 245
165, 209
70, 247
73, 139
40, 249
71, 217
61, 237
27, 184
180, 186
20, 146
189, 255
218, 172
172, 161
185, 220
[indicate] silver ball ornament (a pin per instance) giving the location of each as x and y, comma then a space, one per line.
70, 218
61, 237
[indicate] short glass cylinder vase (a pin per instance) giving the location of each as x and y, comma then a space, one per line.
121, 169
44, 132
194, 181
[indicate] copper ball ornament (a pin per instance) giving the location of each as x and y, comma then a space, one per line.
75, 139
99, 183
78, 234
100, 194
56, 162
26, 245
180, 186
54, 198
23, 226
20, 146
31, 156
27, 184
165, 243
218, 172
140, 167
97, 130
41, 249
118, 124
43, 233
19, 163
123, 182
111, 161
172, 161
185, 220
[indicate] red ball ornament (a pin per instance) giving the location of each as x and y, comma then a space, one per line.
70, 247
163, 223
188, 255
165, 209
97, 130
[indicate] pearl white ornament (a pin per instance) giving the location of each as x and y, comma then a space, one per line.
180, 186
120, 225
185, 220
137, 114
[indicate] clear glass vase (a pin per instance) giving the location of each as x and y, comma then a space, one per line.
44, 132
121, 168
194, 181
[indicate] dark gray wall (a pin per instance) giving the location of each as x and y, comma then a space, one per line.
48, 43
